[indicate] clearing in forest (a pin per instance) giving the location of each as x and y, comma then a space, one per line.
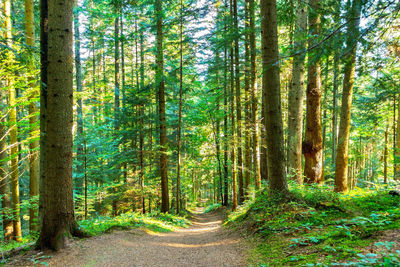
205, 243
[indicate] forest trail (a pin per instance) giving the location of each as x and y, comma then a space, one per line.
205, 243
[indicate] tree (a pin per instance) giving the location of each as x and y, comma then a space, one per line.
17, 233
254, 108
312, 146
58, 220
271, 90
34, 145
353, 31
296, 94
160, 84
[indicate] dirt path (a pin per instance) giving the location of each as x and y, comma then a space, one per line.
204, 243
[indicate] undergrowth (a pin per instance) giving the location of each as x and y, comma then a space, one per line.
158, 222
212, 207
317, 227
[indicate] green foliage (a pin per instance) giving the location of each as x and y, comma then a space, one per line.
159, 222
318, 227
212, 207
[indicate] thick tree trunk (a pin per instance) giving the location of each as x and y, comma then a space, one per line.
254, 108
312, 146
341, 183
271, 91
296, 94
385, 155
58, 212
34, 145
17, 234
160, 84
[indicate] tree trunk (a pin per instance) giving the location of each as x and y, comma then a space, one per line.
178, 171
397, 140
58, 212
247, 158
33, 119
385, 155
253, 80
78, 75
348, 82
17, 234
312, 146
160, 84
4, 180
226, 194
296, 95
336, 74
271, 91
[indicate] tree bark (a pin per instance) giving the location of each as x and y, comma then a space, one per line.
17, 234
247, 158
33, 119
341, 183
254, 104
58, 212
296, 94
271, 91
312, 146
160, 84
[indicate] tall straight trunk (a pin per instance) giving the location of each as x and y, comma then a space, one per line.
123, 89
394, 137
397, 140
78, 75
296, 94
141, 137
33, 120
247, 158
226, 194
116, 70
94, 97
271, 90
254, 108
178, 171
233, 135
385, 155
17, 234
4, 180
43, 102
58, 212
353, 31
263, 142
336, 74
238, 104
312, 146
160, 84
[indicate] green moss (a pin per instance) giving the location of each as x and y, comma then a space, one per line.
315, 225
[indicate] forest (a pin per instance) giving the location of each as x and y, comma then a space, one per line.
200, 132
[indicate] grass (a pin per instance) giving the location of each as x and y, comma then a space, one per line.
157, 222
317, 227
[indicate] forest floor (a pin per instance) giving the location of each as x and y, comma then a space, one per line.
204, 243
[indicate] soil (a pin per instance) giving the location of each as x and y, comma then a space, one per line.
204, 243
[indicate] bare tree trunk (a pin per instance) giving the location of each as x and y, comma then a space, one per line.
226, 194
247, 158
254, 108
385, 155
58, 213
296, 95
271, 91
312, 146
17, 234
160, 84
33, 119
341, 184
